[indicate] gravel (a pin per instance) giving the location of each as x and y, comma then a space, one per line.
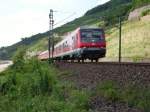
89, 75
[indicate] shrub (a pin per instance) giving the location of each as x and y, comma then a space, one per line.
145, 12
34, 87
137, 97
19, 60
109, 89
80, 99
136, 58
129, 95
133, 95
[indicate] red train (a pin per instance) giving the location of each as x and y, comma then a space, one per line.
83, 43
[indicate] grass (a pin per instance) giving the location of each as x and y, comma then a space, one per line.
145, 12
39, 45
108, 89
34, 87
133, 95
135, 40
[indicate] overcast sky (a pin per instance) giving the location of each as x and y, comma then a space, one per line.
24, 18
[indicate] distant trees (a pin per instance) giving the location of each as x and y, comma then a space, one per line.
138, 3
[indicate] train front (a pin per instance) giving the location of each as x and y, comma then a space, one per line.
92, 43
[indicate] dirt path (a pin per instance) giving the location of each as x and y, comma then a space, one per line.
4, 65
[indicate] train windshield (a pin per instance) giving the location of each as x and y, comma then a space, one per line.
94, 35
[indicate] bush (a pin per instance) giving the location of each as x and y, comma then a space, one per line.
109, 89
145, 12
136, 96
34, 87
80, 99
139, 3
133, 95
19, 60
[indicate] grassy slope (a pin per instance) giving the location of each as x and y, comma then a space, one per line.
40, 45
135, 40
33, 86
110, 13
91, 17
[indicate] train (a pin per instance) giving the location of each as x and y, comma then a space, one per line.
81, 44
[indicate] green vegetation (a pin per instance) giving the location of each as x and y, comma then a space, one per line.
135, 40
139, 3
108, 89
134, 96
145, 12
32, 86
40, 45
105, 16
94, 16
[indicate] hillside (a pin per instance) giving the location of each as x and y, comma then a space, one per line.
92, 17
105, 16
30, 85
135, 40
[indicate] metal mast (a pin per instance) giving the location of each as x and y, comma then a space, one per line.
51, 40
120, 39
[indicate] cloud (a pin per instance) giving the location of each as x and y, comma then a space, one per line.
101, 1
23, 18
24, 23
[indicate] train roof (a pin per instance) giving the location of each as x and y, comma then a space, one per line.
73, 32
89, 27
43, 52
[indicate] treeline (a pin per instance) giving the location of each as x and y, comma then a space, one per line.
8, 52
139, 3
109, 5
33, 86
107, 13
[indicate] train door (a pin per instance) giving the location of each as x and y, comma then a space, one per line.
74, 43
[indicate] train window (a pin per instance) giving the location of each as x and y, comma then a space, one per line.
86, 34
91, 35
98, 34
66, 44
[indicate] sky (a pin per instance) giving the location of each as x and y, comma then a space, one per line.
24, 18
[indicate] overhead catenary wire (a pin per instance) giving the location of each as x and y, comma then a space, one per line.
65, 19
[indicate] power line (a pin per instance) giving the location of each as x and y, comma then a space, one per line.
65, 18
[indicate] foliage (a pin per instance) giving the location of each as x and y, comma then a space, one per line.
109, 11
133, 95
145, 12
18, 59
36, 88
139, 3
130, 40
109, 89
137, 96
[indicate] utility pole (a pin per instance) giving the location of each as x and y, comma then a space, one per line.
120, 25
51, 40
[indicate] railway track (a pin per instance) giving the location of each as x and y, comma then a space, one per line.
106, 63
90, 74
